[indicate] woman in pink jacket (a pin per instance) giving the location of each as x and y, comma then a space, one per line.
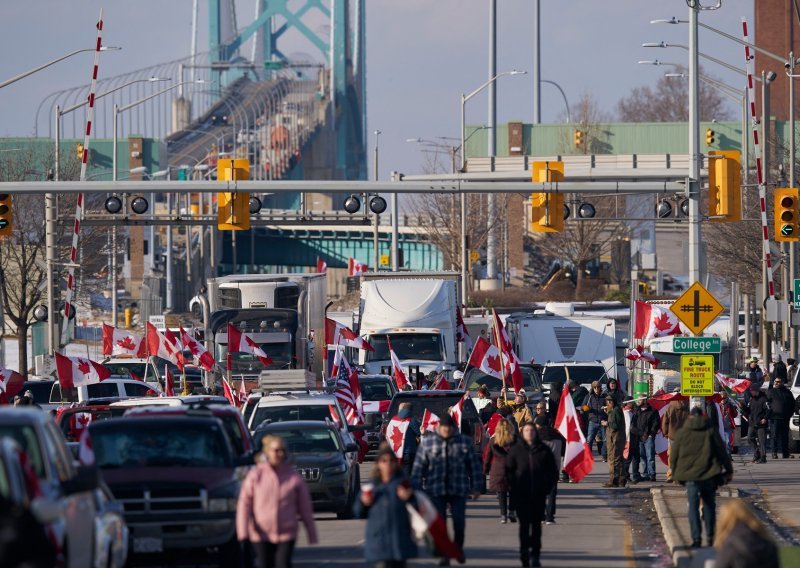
272, 498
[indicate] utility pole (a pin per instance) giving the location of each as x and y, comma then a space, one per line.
537, 63
792, 246
491, 202
375, 236
693, 185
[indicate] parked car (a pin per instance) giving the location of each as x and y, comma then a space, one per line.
178, 479
376, 395
111, 387
88, 529
325, 461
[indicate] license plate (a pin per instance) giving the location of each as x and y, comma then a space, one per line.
147, 544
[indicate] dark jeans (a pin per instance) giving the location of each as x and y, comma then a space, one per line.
277, 555
779, 433
705, 490
631, 466
758, 439
502, 499
530, 529
647, 457
550, 505
458, 511
598, 432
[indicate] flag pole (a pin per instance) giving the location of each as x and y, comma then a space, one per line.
500, 350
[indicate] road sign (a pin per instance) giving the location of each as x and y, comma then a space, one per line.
697, 375
697, 308
384, 259
797, 293
274, 65
696, 344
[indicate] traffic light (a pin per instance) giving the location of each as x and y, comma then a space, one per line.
233, 208
578, 137
547, 209
710, 137
6, 226
786, 215
724, 185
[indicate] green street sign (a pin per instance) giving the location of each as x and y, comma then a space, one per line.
697, 344
274, 65
797, 293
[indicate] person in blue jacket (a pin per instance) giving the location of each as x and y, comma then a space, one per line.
388, 540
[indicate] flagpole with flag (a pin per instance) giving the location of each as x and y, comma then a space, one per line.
499, 344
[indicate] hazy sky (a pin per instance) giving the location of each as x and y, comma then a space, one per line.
421, 55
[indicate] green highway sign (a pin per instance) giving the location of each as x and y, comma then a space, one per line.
274, 65
698, 344
797, 293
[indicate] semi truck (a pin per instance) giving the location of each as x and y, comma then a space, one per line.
283, 313
415, 312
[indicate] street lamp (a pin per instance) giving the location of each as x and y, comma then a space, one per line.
53, 62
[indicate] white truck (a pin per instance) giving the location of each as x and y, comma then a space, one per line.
416, 313
283, 313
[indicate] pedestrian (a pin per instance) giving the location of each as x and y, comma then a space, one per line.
754, 373
614, 390
388, 538
30, 401
494, 465
647, 423
741, 540
554, 399
791, 371
673, 420
482, 398
615, 439
578, 393
504, 410
699, 461
630, 464
553, 439
272, 497
541, 410
595, 413
411, 437
449, 471
532, 471
730, 410
522, 414
779, 370
781, 409
758, 422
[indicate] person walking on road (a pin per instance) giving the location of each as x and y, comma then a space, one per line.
494, 465
614, 391
388, 538
615, 439
754, 373
553, 439
757, 418
449, 471
781, 408
532, 472
272, 497
522, 413
700, 462
779, 370
673, 420
595, 412
742, 541
647, 424
630, 465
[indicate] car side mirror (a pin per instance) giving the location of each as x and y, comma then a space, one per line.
86, 478
351, 447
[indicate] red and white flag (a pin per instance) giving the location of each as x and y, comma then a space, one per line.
660, 401
655, 321
159, 345
322, 266
486, 357
578, 460
85, 450
338, 334
11, 384
76, 371
355, 268
426, 521
121, 342
509, 357
462, 335
440, 383
637, 353
239, 342
738, 386
430, 421
227, 391
457, 410
203, 357
396, 434
242, 391
347, 390
400, 378
376, 406
169, 382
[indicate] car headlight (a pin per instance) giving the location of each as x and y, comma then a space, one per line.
340, 468
222, 505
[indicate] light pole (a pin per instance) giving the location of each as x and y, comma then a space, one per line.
375, 236
563, 96
53, 62
464, 99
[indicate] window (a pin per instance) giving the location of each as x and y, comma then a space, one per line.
133, 389
26, 437
421, 346
102, 390
293, 412
307, 440
54, 449
127, 370
376, 391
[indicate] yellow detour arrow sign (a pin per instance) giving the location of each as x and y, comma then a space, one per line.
697, 375
697, 308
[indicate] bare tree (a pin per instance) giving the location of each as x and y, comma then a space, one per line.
592, 121
668, 102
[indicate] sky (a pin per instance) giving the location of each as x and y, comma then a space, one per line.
421, 55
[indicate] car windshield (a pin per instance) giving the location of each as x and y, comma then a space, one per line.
378, 390
581, 374
40, 390
127, 370
291, 412
234, 432
280, 353
476, 378
306, 440
155, 443
25, 436
422, 346
438, 405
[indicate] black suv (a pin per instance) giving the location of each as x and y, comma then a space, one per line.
325, 461
177, 479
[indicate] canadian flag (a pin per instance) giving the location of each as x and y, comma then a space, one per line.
227, 391
462, 335
396, 434
486, 357
338, 334
159, 345
655, 321
11, 384
120, 342
430, 421
738, 386
242, 391
85, 450
239, 342
169, 382
200, 353
355, 268
440, 383
510, 358
76, 371
322, 266
376, 406
400, 378
457, 411
638, 352
426, 521
578, 460
660, 401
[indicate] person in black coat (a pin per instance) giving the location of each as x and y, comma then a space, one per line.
757, 418
781, 408
554, 399
532, 472
648, 424
779, 371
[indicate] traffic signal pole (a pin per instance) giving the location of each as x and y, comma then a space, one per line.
693, 182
